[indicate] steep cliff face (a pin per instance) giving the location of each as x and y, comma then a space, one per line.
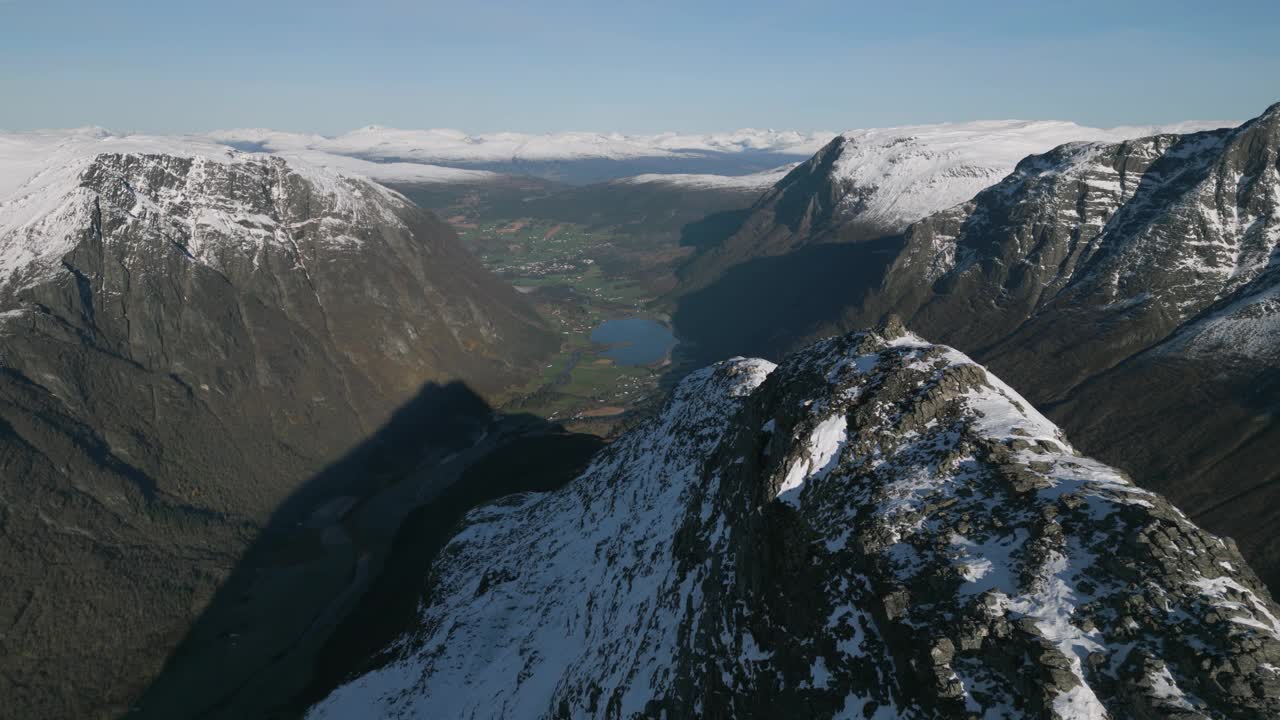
875, 528
1095, 252
186, 337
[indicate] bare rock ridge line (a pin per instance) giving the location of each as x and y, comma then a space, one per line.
876, 527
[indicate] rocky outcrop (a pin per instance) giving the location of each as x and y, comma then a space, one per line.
186, 338
877, 527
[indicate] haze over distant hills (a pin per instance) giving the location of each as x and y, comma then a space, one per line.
742, 159
575, 157
690, 159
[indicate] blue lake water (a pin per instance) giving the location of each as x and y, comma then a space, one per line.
634, 341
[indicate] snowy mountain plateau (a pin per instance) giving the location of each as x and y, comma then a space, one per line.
572, 157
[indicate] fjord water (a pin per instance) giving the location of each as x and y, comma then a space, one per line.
634, 341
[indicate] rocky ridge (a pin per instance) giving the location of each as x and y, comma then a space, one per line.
877, 527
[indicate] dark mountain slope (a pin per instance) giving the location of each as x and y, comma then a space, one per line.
185, 340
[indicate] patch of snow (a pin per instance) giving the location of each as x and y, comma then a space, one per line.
1166, 689
604, 605
753, 181
1254, 612
821, 455
819, 676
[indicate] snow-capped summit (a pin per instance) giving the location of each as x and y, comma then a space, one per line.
877, 527
869, 183
893, 176
53, 186
1134, 237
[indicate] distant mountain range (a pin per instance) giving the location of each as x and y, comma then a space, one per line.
434, 146
573, 157
741, 159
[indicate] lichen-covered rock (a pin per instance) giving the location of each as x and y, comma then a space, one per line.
876, 528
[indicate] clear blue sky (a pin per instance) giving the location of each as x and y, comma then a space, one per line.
481, 65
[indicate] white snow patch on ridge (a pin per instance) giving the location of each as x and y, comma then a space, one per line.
823, 452
603, 605
637, 586
1248, 327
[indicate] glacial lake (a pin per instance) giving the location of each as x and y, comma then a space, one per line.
634, 341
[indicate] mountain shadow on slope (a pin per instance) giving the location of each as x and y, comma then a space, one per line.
713, 230
390, 607
337, 569
1199, 432
876, 518
765, 306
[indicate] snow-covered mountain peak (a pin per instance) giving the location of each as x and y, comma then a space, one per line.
59, 184
877, 527
894, 176
874, 183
